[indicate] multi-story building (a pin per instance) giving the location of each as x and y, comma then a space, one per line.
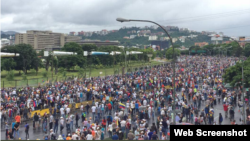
80, 33
192, 36
98, 43
226, 42
160, 33
174, 40
172, 28
126, 37
72, 33
104, 32
201, 44
145, 32
132, 36
161, 44
41, 39
182, 39
183, 29
153, 27
164, 38
150, 38
114, 30
87, 34
5, 42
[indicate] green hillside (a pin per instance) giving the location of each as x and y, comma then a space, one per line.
141, 40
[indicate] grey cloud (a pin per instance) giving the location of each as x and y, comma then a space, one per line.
76, 15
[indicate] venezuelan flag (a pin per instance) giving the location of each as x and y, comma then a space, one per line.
122, 105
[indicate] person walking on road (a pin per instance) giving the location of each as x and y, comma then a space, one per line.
27, 130
36, 120
220, 119
16, 130
61, 124
51, 119
56, 123
231, 112
225, 107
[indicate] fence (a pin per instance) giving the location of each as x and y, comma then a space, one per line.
35, 81
47, 80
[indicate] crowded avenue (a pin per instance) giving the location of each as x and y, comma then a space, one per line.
135, 106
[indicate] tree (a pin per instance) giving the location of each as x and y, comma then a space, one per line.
247, 50
233, 75
170, 54
41, 53
27, 55
89, 47
72, 60
36, 64
1, 64
8, 64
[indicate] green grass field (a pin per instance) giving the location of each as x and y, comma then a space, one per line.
35, 80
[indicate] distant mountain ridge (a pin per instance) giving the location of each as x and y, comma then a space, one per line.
9, 32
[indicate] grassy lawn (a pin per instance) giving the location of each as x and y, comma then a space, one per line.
35, 80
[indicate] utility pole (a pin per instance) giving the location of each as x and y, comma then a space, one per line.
128, 20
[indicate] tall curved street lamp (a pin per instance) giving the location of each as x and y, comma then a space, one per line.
242, 83
133, 20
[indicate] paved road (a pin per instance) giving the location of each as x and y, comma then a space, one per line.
38, 133
34, 134
218, 108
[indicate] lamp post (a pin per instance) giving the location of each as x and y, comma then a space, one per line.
242, 70
227, 49
133, 20
113, 53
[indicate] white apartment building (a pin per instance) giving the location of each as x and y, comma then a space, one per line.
150, 38
192, 36
182, 39
174, 40
183, 29
104, 32
88, 34
132, 36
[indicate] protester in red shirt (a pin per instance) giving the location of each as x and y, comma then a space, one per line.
109, 106
225, 106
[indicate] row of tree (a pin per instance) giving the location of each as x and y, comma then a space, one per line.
29, 59
230, 49
233, 75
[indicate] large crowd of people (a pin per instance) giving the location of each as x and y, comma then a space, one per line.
136, 106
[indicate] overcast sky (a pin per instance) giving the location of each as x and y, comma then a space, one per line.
229, 16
